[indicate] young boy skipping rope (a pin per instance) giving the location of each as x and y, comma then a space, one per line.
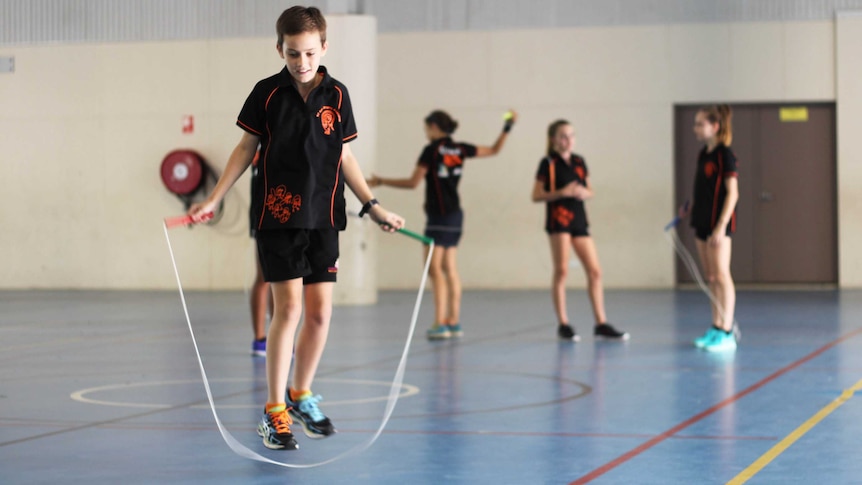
303, 121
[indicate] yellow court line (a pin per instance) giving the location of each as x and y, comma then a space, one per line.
797, 433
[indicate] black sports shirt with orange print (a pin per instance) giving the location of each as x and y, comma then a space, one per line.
299, 184
563, 215
710, 190
444, 160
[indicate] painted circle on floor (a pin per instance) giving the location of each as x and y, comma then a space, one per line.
86, 395
448, 403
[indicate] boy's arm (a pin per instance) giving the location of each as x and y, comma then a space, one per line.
239, 160
353, 177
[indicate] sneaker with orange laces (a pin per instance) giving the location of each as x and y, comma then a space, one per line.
274, 428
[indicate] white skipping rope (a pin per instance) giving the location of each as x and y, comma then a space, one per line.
394, 389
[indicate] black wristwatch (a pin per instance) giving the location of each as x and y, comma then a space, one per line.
367, 207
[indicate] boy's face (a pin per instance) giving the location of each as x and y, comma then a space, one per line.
301, 54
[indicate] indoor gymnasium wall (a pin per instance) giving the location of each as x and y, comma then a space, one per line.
618, 86
83, 131
84, 127
848, 41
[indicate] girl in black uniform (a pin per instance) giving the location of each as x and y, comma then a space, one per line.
713, 217
563, 183
440, 164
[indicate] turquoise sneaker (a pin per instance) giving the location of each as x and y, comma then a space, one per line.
455, 330
701, 341
315, 424
439, 332
721, 342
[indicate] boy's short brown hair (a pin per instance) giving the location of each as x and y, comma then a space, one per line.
297, 20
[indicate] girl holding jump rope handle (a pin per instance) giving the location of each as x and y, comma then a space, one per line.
713, 217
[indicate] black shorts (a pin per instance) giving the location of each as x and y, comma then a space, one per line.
703, 233
445, 230
575, 231
287, 254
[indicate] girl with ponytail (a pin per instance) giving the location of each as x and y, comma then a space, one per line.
440, 165
713, 217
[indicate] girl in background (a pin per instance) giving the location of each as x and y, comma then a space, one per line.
441, 164
713, 217
563, 184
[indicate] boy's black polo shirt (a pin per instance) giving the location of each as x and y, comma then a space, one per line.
300, 184
568, 213
444, 161
710, 190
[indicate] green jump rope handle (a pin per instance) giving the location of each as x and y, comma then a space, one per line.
418, 237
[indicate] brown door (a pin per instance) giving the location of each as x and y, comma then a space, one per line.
797, 195
786, 224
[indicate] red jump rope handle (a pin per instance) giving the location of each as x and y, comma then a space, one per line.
186, 220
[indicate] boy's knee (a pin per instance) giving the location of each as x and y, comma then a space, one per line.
287, 311
316, 319
594, 274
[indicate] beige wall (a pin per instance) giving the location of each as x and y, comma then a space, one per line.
83, 130
618, 87
848, 42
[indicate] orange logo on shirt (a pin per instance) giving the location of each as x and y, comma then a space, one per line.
282, 204
709, 169
452, 160
581, 173
328, 115
563, 216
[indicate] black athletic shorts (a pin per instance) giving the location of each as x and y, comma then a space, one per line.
575, 231
287, 254
703, 233
445, 230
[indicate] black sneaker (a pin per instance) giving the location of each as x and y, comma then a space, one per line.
274, 428
567, 332
607, 331
314, 422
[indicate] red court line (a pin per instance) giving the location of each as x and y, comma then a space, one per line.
30, 423
694, 419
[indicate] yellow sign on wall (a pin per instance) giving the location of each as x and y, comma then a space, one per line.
794, 114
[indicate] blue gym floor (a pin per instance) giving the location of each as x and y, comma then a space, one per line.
104, 387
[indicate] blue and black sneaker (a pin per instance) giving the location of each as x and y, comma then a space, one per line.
315, 424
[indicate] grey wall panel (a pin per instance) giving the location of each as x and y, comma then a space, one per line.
57, 21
